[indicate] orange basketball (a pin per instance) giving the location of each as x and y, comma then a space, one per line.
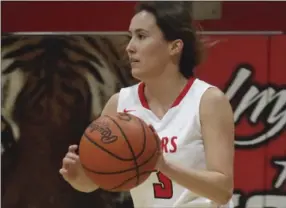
118, 152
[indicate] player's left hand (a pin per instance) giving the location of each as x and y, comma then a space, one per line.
161, 161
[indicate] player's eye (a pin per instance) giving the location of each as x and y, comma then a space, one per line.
141, 36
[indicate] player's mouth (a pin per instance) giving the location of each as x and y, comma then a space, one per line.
133, 61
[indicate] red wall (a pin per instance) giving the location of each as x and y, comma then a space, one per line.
104, 16
250, 16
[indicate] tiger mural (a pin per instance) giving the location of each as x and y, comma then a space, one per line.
52, 87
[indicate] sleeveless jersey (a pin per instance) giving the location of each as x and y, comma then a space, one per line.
181, 141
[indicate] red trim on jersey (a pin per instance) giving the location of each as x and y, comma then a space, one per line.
180, 97
141, 95
183, 92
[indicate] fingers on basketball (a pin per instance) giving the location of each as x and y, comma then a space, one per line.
70, 159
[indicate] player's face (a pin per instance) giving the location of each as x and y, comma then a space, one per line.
148, 51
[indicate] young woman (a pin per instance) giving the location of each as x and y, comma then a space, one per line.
193, 118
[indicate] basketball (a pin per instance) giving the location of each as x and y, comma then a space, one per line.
118, 152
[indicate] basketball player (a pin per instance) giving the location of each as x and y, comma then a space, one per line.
193, 118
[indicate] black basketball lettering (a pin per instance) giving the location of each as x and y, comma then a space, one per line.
106, 134
107, 138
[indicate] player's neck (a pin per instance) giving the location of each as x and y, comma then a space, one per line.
164, 90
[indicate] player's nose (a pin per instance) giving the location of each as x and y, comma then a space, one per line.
131, 48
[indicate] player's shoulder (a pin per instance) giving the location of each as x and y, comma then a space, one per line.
116, 100
129, 90
214, 95
199, 83
111, 105
131, 87
214, 100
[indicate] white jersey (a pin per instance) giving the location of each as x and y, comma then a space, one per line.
181, 139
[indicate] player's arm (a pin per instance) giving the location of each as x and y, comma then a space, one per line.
72, 170
111, 105
216, 183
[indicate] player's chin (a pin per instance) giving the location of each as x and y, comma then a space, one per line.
138, 73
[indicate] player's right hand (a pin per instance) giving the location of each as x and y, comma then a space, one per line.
72, 171
71, 168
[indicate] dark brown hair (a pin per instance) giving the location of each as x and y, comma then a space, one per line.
175, 21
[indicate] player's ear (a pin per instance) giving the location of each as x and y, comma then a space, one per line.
176, 47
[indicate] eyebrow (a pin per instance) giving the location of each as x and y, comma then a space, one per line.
138, 30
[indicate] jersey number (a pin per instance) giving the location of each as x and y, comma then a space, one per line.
163, 189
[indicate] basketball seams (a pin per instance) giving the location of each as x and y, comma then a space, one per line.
106, 150
130, 147
122, 171
144, 138
138, 164
114, 155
